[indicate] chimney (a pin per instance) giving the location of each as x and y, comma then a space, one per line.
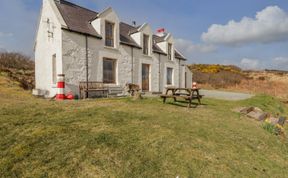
161, 32
134, 23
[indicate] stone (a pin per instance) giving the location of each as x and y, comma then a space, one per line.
282, 121
273, 120
246, 110
260, 116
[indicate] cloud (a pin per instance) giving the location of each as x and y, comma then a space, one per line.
3, 34
280, 63
249, 64
189, 47
269, 25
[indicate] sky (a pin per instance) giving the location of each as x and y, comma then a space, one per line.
252, 34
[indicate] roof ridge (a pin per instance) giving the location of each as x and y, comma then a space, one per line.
73, 4
125, 23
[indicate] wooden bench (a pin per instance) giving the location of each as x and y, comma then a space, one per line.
86, 87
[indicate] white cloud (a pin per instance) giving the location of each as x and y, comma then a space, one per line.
280, 63
189, 47
249, 64
3, 34
269, 25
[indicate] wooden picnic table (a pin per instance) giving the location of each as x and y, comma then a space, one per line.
185, 93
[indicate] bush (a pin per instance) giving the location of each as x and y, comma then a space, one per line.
273, 129
19, 68
218, 76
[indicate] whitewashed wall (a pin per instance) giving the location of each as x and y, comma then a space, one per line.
46, 47
70, 50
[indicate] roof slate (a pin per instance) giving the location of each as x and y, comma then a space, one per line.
77, 18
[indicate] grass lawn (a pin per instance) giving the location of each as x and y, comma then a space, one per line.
125, 138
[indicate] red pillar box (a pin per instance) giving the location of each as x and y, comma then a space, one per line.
60, 87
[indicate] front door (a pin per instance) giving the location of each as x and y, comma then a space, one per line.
145, 77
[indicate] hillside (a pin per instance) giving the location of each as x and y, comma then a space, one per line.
126, 138
18, 68
232, 78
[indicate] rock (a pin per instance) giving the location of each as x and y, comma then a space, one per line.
260, 116
273, 120
282, 121
246, 110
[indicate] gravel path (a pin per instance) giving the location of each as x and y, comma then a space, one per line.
233, 96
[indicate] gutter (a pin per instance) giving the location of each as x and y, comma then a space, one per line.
86, 34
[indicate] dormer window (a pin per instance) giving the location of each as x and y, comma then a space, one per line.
109, 34
145, 44
169, 51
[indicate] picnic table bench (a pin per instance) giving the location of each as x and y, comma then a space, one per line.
189, 94
86, 87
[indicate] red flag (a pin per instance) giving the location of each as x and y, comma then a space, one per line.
161, 30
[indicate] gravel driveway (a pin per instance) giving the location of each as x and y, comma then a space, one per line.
233, 96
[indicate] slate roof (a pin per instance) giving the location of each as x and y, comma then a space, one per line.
78, 20
125, 37
179, 56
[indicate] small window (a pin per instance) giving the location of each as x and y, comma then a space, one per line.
169, 76
54, 70
109, 34
109, 70
169, 51
145, 44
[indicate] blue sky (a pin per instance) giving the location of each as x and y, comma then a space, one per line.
250, 33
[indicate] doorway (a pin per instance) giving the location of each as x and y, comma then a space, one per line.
145, 77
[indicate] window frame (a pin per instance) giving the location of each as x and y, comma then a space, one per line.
146, 39
114, 63
167, 76
170, 47
110, 38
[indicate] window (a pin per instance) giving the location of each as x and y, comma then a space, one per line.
169, 51
109, 70
54, 72
145, 44
169, 76
109, 34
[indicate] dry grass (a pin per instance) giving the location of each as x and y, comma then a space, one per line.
126, 138
273, 83
18, 68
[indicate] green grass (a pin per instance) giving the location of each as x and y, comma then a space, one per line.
126, 138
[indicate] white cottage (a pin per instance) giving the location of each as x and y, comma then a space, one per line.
89, 46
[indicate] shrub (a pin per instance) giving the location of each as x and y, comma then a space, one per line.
19, 68
273, 129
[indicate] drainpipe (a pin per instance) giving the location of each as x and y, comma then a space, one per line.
179, 73
132, 69
159, 73
87, 64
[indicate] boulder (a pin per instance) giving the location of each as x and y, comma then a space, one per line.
260, 116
